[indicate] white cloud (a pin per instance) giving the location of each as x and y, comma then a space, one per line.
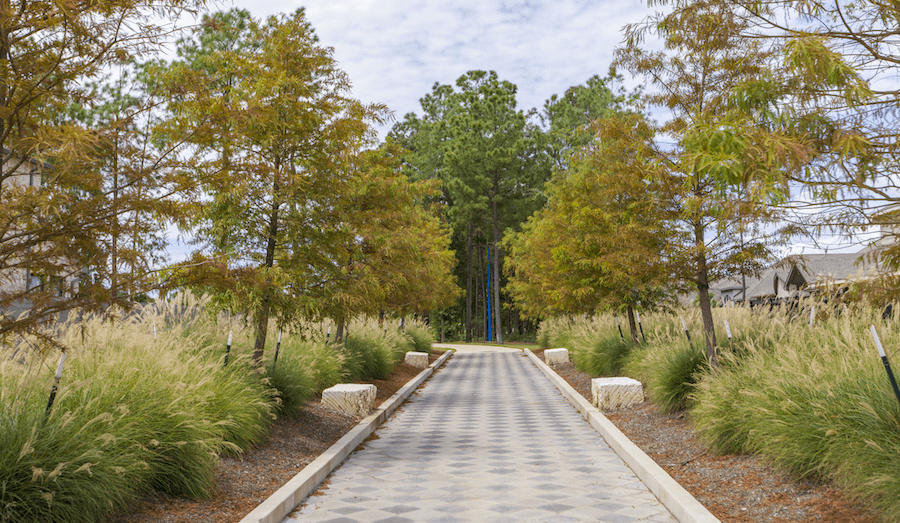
395, 51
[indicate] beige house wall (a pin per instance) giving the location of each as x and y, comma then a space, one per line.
27, 174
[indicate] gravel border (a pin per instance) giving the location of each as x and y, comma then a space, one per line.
284, 500
683, 506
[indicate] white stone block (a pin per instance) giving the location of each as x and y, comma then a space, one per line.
417, 359
354, 399
616, 393
556, 356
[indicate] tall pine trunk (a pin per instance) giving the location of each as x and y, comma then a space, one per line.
496, 307
469, 276
481, 279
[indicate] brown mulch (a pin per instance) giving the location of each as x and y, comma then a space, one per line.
736, 489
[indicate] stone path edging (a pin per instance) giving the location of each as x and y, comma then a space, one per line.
683, 506
284, 500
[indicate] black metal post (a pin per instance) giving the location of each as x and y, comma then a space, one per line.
619, 325
59, 370
887, 364
277, 349
684, 326
640, 326
228, 347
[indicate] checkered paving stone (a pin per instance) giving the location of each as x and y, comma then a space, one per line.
487, 439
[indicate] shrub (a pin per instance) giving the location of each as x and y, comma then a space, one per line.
600, 356
138, 411
671, 382
819, 406
73, 466
371, 352
303, 369
420, 336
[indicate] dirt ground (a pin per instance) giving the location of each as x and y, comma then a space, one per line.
737, 489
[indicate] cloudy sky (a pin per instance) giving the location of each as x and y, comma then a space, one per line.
395, 50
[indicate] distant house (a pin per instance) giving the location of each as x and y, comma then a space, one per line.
798, 276
730, 290
18, 282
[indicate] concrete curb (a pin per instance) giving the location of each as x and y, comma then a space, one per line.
673, 496
284, 500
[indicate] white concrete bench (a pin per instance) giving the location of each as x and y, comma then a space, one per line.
418, 360
352, 399
616, 393
556, 356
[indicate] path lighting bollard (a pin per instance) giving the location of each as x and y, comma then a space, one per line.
228, 348
641, 327
684, 326
812, 315
620, 328
59, 369
328, 335
277, 349
887, 365
727, 330
154, 330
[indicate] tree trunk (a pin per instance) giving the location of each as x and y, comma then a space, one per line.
632, 324
114, 252
709, 327
262, 319
469, 276
480, 279
498, 326
339, 332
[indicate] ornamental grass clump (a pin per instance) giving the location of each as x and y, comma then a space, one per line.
594, 344
135, 412
371, 351
72, 466
194, 407
303, 369
669, 365
819, 405
555, 332
146, 403
671, 383
764, 329
420, 336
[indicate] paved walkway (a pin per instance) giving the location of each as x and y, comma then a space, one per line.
487, 439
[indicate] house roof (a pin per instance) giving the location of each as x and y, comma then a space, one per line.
7, 153
810, 272
824, 269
